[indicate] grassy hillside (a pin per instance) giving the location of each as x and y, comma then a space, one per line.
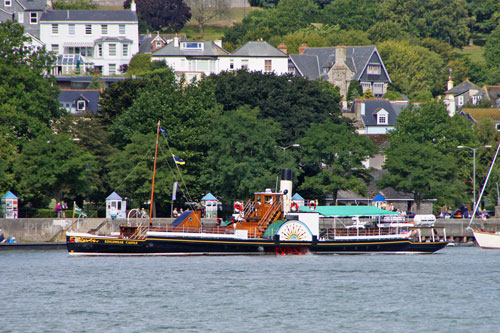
475, 52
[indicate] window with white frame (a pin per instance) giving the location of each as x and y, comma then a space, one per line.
460, 100
125, 50
71, 29
112, 69
121, 28
231, 64
88, 29
7, 3
366, 85
55, 48
191, 46
20, 17
382, 117
99, 50
112, 50
373, 69
33, 18
378, 88
476, 99
81, 105
55, 29
268, 67
158, 44
497, 126
244, 64
104, 29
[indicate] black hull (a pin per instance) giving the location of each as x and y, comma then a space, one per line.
208, 246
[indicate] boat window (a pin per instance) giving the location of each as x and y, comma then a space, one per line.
119, 205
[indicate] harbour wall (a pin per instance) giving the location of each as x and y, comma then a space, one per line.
32, 230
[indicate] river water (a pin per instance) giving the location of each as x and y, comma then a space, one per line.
454, 290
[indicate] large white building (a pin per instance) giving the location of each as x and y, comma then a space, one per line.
194, 59
90, 41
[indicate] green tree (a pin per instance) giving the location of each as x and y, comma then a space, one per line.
242, 154
332, 157
360, 15
387, 30
293, 102
139, 64
413, 69
73, 4
51, 166
446, 20
119, 97
203, 11
158, 15
28, 98
492, 48
421, 169
368, 94
355, 91
421, 158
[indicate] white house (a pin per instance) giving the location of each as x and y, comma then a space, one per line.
90, 40
193, 59
258, 56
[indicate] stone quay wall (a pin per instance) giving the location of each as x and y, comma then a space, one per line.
33, 230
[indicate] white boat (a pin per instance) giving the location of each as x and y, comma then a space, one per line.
487, 239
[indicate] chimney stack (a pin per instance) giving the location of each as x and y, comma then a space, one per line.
176, 41
282, 47
340, 55
302, 48
133, 6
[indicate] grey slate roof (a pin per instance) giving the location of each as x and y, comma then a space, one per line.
372, 106
462, 88
145, 41
113, 39
70, 96
308, 65
357, 57
89, 16
33, 4
210, 49
258, 49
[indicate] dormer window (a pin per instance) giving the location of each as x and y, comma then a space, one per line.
81, 105
373, 70
382, 117
192, 46
7, 3
159, 44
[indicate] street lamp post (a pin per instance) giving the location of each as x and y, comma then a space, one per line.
474, 149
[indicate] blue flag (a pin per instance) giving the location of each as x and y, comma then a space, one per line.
178, 160
164, 131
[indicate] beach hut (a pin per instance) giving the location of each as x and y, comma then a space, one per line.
9, 206
115, 207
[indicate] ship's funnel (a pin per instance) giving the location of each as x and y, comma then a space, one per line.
286, 189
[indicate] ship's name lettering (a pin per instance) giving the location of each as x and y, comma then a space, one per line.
87, 240
113, 241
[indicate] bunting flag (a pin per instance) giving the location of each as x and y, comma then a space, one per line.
178, 160
174, 191
78, 211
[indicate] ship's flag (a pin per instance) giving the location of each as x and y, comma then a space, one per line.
164, 131
78, 211
178, 160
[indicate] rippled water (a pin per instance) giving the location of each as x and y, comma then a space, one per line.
455, 290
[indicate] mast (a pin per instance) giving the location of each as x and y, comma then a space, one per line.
484, 187
154, 173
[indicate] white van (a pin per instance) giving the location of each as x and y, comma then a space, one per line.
425, 220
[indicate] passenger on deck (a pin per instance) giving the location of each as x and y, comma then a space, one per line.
2, 236
175, 213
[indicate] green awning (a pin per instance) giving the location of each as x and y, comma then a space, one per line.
337, 211
273, 228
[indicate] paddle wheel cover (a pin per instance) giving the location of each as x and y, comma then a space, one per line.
294, 231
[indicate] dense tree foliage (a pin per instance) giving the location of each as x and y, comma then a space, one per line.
293, 102
74, 4
161, 15
421, 158
413, 69
331, 157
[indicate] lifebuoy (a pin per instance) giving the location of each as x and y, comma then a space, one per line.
238, 206
312, 205
294, 207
